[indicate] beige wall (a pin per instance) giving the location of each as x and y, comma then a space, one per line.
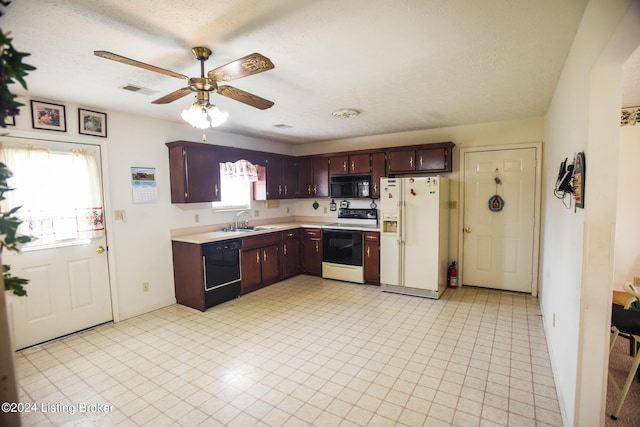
627, 249
577, 247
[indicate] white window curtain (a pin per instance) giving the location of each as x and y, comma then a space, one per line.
59, 191
242, 170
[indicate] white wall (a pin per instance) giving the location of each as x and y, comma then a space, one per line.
577, 247
627, 250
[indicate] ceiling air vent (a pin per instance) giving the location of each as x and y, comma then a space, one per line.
139, 89
282, 126
132, 88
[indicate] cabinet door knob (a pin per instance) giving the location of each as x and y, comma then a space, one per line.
317, 247
264, 256
284, 248
421, 160
353, 165
216, 189
344, 166
258, 257
411, 161
368, 251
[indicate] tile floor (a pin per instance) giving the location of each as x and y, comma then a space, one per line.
302, 352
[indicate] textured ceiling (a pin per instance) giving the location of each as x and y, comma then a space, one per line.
405, 64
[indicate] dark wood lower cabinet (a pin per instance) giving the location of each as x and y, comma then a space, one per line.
188, 275
251, 271
264, 259
372, 257
259, 261
290, 253
312, 251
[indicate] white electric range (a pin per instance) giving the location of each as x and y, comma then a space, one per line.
342, 244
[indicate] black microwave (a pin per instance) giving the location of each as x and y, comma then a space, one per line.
350, 186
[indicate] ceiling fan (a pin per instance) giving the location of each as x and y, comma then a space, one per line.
251, 64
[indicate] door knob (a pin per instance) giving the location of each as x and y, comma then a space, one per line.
467, 229
99, 249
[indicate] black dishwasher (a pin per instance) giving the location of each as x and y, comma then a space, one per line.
221, 271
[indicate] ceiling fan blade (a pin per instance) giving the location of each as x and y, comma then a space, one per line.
176, 94
244, 97
250, 64
124, 60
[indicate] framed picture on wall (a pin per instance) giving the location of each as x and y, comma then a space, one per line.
92, 123
45, 115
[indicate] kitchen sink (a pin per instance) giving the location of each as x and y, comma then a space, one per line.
248, 229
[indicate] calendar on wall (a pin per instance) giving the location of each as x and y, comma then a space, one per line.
143, 185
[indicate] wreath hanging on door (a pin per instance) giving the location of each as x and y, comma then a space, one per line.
496, 203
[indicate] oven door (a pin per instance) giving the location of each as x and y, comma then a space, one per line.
342, 247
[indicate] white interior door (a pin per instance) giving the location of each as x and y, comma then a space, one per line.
67, 266
498, 245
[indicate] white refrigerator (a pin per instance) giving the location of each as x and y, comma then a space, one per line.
414, 240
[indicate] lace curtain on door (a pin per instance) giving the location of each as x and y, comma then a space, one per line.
59, 191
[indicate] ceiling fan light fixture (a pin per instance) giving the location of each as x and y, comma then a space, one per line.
204, 115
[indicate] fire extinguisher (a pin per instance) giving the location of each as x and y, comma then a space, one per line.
452, 276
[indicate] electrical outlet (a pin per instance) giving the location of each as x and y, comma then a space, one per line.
287, 210
553, 321
256, 213
196, 217
324, 210
636, 281
118, 215
145, 287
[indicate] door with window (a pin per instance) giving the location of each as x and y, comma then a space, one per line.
59, 189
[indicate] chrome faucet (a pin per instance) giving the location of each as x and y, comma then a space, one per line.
245, 223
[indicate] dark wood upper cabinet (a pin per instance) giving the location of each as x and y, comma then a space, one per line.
339, 165
289, 177
320, 177
355, 164
278, 179
313, 177
378, 170
194, 171
430, 158
360, 164
305, 177
401, 161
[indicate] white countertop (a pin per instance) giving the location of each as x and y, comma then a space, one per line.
216, 236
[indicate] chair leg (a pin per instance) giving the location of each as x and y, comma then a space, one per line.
627, 384
616, 332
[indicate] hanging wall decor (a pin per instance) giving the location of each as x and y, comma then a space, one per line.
630, 116
579, 170
496, 203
